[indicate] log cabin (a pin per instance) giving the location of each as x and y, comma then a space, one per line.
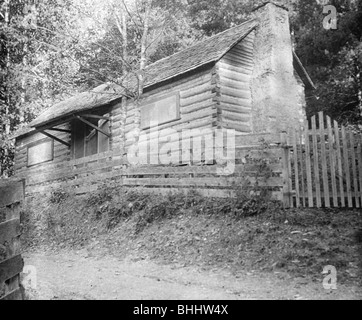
246, 79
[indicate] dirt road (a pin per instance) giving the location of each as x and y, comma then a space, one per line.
77, 276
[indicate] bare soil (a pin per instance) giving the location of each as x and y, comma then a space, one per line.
77, 275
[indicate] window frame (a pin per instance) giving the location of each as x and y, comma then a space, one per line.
154, 100
37, 143
86, 138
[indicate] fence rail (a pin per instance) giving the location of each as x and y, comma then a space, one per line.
86, 174
11, 262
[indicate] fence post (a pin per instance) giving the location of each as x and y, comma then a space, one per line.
11, 262
286, 184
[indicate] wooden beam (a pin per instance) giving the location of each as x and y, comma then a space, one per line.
96, 117
93, 126
55, 138
60, 130
54, 123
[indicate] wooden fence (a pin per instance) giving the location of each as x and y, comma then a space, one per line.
319, 164
11, 262
86, 174
324, 165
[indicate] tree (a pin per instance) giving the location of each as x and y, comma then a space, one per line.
32, 75
333, 58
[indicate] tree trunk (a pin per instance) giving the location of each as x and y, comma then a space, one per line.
121, 21
7, 102
143, 63
359, 83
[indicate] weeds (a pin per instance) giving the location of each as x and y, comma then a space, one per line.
58, 196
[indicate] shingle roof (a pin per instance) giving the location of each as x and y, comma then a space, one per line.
200, 54
209, 50
204, 52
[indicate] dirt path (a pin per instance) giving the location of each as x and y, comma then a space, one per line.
76, 275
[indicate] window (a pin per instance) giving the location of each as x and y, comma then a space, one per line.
86, 140
40, 152
162, 110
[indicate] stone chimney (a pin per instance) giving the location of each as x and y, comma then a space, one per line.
278, 97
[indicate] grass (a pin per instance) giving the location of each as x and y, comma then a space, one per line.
240, 234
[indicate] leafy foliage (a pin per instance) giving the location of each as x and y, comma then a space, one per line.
333, 58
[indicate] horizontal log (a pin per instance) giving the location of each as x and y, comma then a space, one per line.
255, 138
233, 72
183, 84
196, 170
190, 120
197, 106
197, 98
195, 90
235, 93
94, 164
116, 110
68, 165
117, 117
236, 62
246, 103
202, 182
236, 117
89, 183
9, 230
235, 108
239, 57
211, 193
214, 193
238, 126
235, 84
11, 193
118, 132
244, 51
246, 47
11, 267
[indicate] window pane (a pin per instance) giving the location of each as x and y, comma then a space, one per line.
91, 141
78, 133
40, 153
103, 140
164, 110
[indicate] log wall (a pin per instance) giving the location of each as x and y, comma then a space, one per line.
61, 152
235, 71
213, 97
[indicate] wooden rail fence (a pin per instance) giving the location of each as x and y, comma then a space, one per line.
323, 165
86, 174
11, 262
